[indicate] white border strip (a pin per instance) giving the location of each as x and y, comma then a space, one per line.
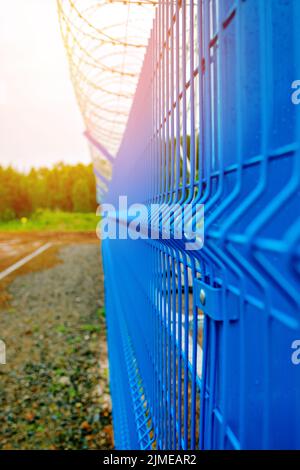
23, 261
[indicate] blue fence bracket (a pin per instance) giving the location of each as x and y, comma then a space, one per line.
209, 300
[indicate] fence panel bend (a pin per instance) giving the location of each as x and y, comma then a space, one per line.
201, 341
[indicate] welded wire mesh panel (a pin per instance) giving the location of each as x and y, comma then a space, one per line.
200, 341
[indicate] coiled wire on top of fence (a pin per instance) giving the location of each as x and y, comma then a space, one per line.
105, 42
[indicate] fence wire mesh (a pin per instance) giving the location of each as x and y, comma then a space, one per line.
200, 342
212, 122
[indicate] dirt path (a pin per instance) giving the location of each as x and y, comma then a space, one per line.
15, 245
54, 388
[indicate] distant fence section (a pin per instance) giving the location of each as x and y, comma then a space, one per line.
201, 343
105, 41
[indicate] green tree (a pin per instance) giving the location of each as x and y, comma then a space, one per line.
81, 196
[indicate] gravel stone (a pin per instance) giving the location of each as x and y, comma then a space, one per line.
54, 332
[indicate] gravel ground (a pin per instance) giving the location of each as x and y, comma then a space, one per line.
54, 388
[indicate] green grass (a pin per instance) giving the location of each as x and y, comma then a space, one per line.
46, 220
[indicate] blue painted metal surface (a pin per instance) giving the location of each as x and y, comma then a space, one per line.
212, 122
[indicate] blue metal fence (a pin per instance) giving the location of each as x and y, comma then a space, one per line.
200, 342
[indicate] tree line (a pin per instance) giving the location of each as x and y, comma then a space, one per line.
69, 188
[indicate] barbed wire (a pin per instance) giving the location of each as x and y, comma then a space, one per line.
105, 42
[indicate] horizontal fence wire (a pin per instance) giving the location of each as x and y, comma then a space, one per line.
212, 122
